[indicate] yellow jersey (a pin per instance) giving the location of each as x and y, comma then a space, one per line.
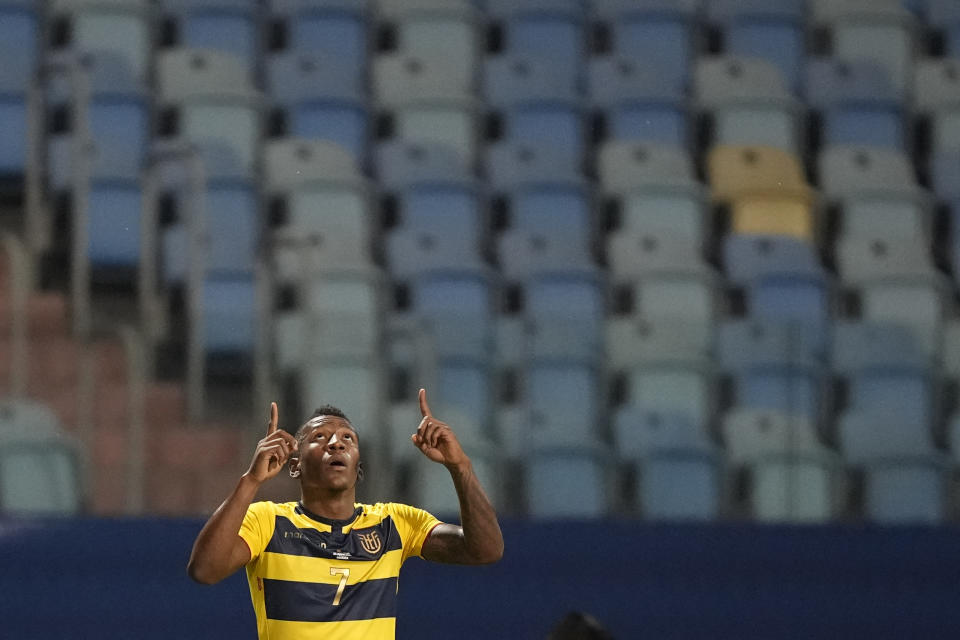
315, 577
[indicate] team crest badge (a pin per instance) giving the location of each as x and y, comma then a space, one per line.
370, 542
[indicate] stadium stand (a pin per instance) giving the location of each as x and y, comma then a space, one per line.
717, 243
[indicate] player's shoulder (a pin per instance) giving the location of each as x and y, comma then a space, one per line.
268, 507
384, 509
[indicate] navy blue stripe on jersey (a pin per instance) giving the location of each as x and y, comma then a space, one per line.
313, 602
368, 543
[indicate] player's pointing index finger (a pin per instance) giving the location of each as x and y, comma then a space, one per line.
424, 407
272, 426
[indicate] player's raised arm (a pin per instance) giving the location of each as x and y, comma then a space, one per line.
478, 540
219, 550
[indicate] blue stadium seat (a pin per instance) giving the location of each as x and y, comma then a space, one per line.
552, 30
537, 102
118, 115
742, 344
14, 86
358, 386
565, 311
19, 31
434, 189
229, 315
467, 384
321, 98
944, 15
637, 103
544, 188
563, 400
524, 253
774, 31
335, 27
904, 473
659, 32
857, 103
563, 483
749, 258
224, 25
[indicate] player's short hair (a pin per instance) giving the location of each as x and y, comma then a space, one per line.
323, 410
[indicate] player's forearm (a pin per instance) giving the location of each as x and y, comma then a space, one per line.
482, 538
212, 558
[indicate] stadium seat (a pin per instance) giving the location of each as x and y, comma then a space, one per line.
748, 103
765, 189
320, 97
435, 493
876, 189
742, 344
633, 253
563, 400
40, 465
636, 103
563, 483
551, 30
339, 316
904, 473
326, 204
951, 348
426, 104
748, 259
120, 26
434, 188
860, 345
228, 313
536, 102
638, 432
19, 31
543, 187
774, 31
792, 473
221, 25
524, 253
879, 30
654, 188
117, 112
564, 311
676, 388
429, 27
943, 16
334, 27
936, 91
669, 296
857, 103
358, 386
631, 340
659, 32
216, 101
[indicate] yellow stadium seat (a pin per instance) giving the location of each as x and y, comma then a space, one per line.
772, 216
735, 172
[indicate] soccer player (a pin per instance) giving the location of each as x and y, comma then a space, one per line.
327, 566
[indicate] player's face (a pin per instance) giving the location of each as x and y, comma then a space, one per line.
330, 452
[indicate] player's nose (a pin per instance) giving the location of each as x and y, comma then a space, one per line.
335, 442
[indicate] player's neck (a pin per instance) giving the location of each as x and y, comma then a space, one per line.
335, 504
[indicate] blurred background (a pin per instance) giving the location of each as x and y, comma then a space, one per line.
681, 274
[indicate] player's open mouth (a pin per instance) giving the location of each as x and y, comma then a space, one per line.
338, 463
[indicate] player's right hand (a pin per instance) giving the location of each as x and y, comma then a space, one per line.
273, 451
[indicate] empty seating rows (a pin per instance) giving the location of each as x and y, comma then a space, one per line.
637, 245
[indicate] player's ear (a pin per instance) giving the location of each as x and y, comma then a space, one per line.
293, 467
360, 471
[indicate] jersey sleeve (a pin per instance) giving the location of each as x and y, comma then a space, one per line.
414, 526
257, 527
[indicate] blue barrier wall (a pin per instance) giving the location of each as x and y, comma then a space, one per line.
126, 579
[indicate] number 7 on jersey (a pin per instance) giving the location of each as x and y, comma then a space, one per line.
344, 574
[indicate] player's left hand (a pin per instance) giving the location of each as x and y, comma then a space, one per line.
436, 439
